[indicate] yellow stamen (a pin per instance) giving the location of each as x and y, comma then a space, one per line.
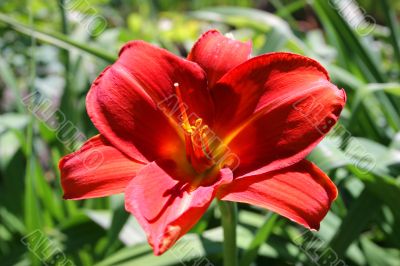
198, 150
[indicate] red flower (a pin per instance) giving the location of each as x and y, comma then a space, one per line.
176, 133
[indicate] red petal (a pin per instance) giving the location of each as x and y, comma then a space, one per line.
302, 193
96, 170
217, 54
288, 106
260, 81
125, 101
166, 208
157, 70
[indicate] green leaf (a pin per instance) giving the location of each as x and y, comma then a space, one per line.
119, 219
360, 214
392, 22
378, 256
260, 237
243, 17
191, 248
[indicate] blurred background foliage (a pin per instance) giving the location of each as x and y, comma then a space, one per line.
54, 49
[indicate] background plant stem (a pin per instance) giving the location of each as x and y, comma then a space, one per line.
229, 222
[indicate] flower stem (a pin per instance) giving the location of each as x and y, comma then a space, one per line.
229, 221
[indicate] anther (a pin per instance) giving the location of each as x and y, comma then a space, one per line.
198, 122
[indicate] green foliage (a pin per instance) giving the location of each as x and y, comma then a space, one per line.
51, 47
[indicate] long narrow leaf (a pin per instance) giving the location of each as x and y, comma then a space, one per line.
55, 39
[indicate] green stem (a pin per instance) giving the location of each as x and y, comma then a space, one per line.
229, 221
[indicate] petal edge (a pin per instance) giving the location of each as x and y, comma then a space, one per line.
96, 170
302, 193
217, 54
167, 208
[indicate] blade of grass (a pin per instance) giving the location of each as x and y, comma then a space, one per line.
56, 39
260, 237
355, 46
120, 217
67, 97
31, 212
391, 21
360, 214
284, 11
349, 37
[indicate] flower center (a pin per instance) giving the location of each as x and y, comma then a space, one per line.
198, 138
